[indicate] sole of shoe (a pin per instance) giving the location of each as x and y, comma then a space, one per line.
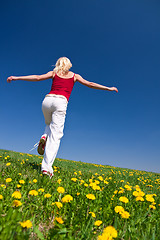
47, 173
41, 146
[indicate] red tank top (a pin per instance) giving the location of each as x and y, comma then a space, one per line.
62, 86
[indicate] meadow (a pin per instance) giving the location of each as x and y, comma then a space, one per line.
82, 201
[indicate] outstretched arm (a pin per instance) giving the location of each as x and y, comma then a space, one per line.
94, 85
31, 78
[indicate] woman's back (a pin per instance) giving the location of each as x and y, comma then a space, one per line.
68, 74
62, 84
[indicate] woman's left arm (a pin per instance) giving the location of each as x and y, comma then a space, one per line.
31, 78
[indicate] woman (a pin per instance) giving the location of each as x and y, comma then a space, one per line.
54, 107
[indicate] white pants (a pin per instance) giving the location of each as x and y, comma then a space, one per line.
54, 111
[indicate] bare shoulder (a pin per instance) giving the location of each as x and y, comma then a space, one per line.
78, 77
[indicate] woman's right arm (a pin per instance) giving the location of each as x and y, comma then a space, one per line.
31, 78
93, 85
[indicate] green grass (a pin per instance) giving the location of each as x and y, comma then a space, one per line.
75, 219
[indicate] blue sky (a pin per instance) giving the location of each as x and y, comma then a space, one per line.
114, 43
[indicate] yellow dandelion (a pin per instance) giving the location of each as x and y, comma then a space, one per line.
3, 186
1, 197
74, 179
82, 181
59, 220
59, 181
67, 198
17, 195
129, 188
98, 223
18, 185
8, 164
78, 193
106, 182
91, 196
124, 199
58, 204
149, 198
60, 190
100, 178
40, 190
34, 180
47, 195
93, 214
139, 198
26, 224
16, 203
119, 209
108, 233
21, 181
125, 214
8, 180
33, 193
97, 182
152, 206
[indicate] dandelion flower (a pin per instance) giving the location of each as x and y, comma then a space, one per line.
90, 196
93, 214
59, 220
129, 188
124, 199
111, 230
74, 179
58, 204
139, 198
34, 180
17, 203
108, 233
21, 181
33, 193
3, 186
60, 190
40, 190
1, 197
125, 214
119, 209
8, 164
67, 198
17, 195
8, 180
97, 182
98, 223
18, 185
27, 224
100, 178
152, 206
47, 195
149, 198
106, 182
59, 181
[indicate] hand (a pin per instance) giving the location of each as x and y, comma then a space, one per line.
9, 79
114, 89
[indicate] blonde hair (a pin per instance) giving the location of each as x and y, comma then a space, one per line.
63, 64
